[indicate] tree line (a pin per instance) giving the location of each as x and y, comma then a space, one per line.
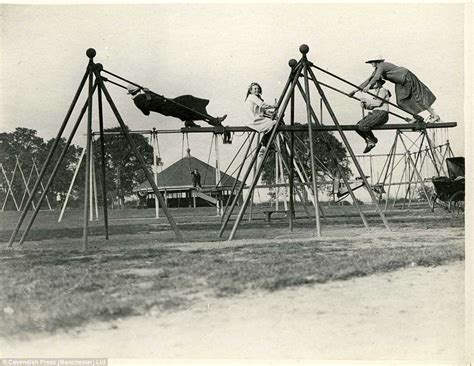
22, 149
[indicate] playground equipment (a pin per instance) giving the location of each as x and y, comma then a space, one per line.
299, 69
304, 68
25, 184
93, 71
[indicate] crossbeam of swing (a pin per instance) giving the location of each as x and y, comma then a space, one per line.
296, 128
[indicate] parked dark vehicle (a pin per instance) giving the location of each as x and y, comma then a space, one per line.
449, 191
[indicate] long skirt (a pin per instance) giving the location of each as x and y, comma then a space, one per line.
262, 124
414, 96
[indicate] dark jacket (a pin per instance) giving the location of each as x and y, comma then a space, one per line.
185, 107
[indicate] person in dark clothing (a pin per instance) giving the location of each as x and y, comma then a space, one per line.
185, 107
377, 116
196, 179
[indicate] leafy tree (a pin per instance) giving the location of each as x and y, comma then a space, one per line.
25, 145
123, 170
326, 167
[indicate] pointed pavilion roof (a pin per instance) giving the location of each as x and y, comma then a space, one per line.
178, 176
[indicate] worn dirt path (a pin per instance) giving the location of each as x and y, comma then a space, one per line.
411, 314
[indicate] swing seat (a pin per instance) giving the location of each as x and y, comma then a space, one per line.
227, 138
268, 214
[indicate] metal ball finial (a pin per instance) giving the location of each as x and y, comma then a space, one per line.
91, 53
292, 63
304, 49
99, 67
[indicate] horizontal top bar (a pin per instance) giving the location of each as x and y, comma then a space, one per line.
219, 130
403, 126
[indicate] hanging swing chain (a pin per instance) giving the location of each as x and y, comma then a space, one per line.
233, 159
243, 161
188, 152
209, 155
154, 136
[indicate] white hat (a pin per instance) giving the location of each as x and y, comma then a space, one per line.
376, 59
132, 89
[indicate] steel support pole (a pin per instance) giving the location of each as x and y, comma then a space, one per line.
394, 153
297, 191
154, 139
420, 170
254, 159
302, 176
27, 190
349, 148
218, 175
94, 180
10, 189
252, 199
53, 173
42, 187
290, 162
343, 176
283, 180
412, 173
71, 185
402, 179
435, 157
415, 170
47, 161
103, 164
91, 184
88, 156
314, 178
238, 174
285, 97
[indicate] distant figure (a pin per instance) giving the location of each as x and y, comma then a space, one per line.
58, 199
196, 179
259, 113
377, 116
412, 95
186, 107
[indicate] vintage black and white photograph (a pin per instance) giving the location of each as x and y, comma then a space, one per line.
235, 182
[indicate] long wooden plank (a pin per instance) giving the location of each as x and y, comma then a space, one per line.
304, 128
390, 126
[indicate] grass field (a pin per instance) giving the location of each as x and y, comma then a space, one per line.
50, 284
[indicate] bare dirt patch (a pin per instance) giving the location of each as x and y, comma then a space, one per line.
410, 314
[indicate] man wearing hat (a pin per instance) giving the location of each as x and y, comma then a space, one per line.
186, 107
412, 95
377, 116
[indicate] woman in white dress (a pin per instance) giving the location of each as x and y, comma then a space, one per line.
259, 113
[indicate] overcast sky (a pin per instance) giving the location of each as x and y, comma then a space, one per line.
214, 51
